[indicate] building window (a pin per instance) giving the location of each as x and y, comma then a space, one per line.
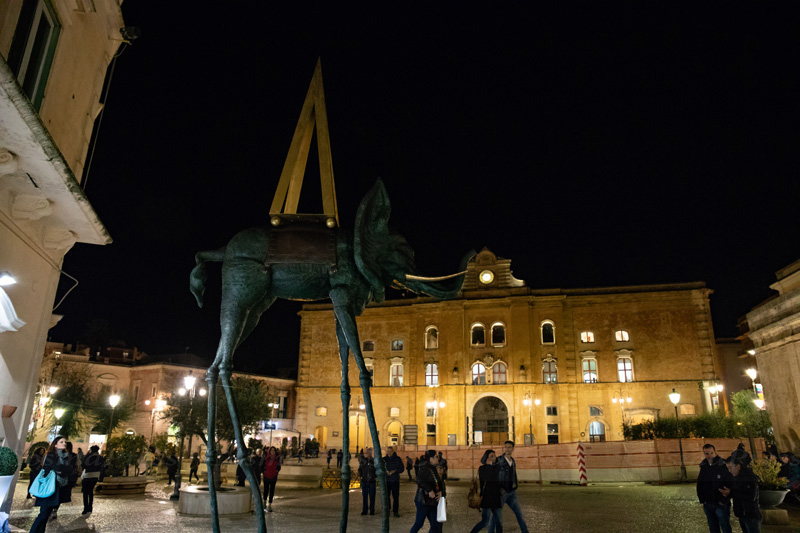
587, 336
551, 410
622, 336
478, 374
478, 335
431, 375
153, 389
595, 411
552, 433
548, 332
368, 346
597, 432
499, 373
394, 412
431, 338
590, 370
397, 345
498, 334
34, 46
322, 411
625, 369
396, 374
430, 411
369, 362
549, 371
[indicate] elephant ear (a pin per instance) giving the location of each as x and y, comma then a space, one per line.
371, 236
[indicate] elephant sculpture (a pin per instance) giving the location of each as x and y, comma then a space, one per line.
307, 261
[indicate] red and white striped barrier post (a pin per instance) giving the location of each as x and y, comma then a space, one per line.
582, 466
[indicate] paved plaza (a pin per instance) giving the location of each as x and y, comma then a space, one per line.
611, 508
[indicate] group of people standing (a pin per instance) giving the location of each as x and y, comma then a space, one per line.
68, 467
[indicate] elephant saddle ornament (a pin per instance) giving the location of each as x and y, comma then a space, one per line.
302, 242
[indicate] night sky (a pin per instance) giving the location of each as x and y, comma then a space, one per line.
590, 147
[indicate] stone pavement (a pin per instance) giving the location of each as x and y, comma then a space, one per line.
611, 508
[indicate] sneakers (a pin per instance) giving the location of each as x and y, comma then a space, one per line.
269, 508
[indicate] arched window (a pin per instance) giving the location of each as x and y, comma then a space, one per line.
396, 372
625, 369
587, 336
478, 335
499, 373
590, 370
478, 374
498, 334
549, 371
548, 332
597, 431
622, 336
431, 338
431, 375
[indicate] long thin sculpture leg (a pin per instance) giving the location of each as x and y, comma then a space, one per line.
211, 451
242, 453
345, 389
348, 325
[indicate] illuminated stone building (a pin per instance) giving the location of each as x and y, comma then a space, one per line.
504, 360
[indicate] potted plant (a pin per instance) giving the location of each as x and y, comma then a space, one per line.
771, 487
8, 467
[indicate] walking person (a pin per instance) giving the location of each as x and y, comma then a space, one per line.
172, 467
56, 459
409, 467
193, 466
713, 476
368, 477
394, 467
743, 488
330, 456
491, 499
258, 466
430, 489
442, 466
149, 458
272, 465
93, 464
339, 456
35, 462
507, 476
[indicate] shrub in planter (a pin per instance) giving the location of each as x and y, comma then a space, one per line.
8, 461
768, 472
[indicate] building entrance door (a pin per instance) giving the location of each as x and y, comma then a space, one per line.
490, 416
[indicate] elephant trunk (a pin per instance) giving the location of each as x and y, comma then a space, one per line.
444, 287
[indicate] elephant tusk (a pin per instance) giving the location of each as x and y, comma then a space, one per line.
440, 278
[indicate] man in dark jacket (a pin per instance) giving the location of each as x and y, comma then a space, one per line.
507, 476
409, 467
743, 488
93, 464
366, 472
172, 467
394, 467
339, 456
713, 476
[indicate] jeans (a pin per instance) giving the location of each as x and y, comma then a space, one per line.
40, 523
87, 488
750, 525
492, 519
718, 516
510, 499
368, 493
393, 488
423, 512
269, 488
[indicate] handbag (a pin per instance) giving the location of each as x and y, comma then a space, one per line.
44, 486
474, 497
441, 511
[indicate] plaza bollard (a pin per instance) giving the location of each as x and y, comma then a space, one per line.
582, 466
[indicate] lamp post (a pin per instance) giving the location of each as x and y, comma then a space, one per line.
529, 402
752, 373
621, 400
675, 398
58, 414
113, 400
188, 388
435, 406
361, 407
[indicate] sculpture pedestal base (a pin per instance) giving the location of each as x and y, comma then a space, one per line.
230, 500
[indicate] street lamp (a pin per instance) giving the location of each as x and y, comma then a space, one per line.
188, 388
361, 407
113, 401
435, 406
621, 400
752, 373
759, 403
529, 402
675, 398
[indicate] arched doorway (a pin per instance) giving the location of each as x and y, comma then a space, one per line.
394, 430
597, 431
490, 417
321, 436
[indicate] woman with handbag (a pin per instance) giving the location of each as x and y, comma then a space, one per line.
61, 465
430, 489
272, 465
491, 500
